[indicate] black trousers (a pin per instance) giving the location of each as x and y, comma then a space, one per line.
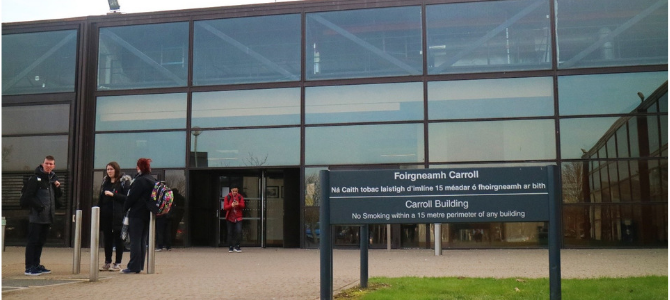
37, 237
138, 229
112, 238
164, 232
237, 228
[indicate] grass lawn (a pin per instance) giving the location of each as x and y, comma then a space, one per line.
463, 288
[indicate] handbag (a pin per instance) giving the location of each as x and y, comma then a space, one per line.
124, 228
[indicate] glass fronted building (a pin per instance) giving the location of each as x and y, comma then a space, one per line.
265, 96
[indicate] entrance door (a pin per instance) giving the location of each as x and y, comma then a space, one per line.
271, 217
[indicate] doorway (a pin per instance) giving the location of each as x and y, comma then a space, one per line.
271, 217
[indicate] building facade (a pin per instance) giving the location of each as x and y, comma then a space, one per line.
263, 97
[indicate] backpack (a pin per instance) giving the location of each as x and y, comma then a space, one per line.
161, 199
25, 201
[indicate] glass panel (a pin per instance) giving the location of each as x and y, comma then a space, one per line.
364, 144
364, 103
143, 56
246, 108
26, 153
244, 50
602, 33
161, 111
604, 94
498, 235
581, 138
491, 98
165, 149
42, 62
364, 43
622, 141
40, 119
246, 148
488, 36
653, 135
176, 180
492, 141
312, 203
615, 225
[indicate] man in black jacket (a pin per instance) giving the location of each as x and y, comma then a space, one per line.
42, 191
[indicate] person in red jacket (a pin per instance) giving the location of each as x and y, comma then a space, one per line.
233, 204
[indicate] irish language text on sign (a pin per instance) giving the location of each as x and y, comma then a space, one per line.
439, 195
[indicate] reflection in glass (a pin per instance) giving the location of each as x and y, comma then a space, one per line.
246, 50
158, 111
364, 103
364, 144
364, 43
246, 108
143, 56
606, 93
488, 36
492, 141
601, 33
580, 136
165, 149
615, 225
490, 98
176, 180
26, 153
36, 119
40, 62
247, 148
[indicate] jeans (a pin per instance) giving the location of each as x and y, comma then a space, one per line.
164, 232
237, 226
37, 237
112, 238
138, 230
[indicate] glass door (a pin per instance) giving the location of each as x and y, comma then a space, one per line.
249, 187
263, 215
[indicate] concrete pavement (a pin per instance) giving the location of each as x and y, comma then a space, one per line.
277, 273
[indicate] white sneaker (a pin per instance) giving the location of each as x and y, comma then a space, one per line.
116, 267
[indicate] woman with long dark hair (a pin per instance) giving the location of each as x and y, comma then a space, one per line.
138, 227
113, 193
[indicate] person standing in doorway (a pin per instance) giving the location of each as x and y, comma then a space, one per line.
113, 193
233, 204
42, 192
138, 228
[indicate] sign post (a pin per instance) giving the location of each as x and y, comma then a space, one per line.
472, 195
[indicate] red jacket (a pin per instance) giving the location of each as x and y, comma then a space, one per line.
233, 214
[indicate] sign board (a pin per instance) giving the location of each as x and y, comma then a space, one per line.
518, 194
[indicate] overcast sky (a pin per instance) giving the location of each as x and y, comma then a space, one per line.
31, 10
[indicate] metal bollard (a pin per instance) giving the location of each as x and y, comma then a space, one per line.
4, 223
388, 237
95, 242
76, 257
151, 261
438, 239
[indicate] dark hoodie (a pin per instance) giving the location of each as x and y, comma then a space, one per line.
139, 195
43, 196
111, 208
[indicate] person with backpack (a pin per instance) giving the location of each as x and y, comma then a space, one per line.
113, 191
233, 204
40, 194
139, 197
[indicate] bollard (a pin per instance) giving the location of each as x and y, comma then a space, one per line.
95, 242
76, 257
151, 260
4, 223
388, 237
438, 239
